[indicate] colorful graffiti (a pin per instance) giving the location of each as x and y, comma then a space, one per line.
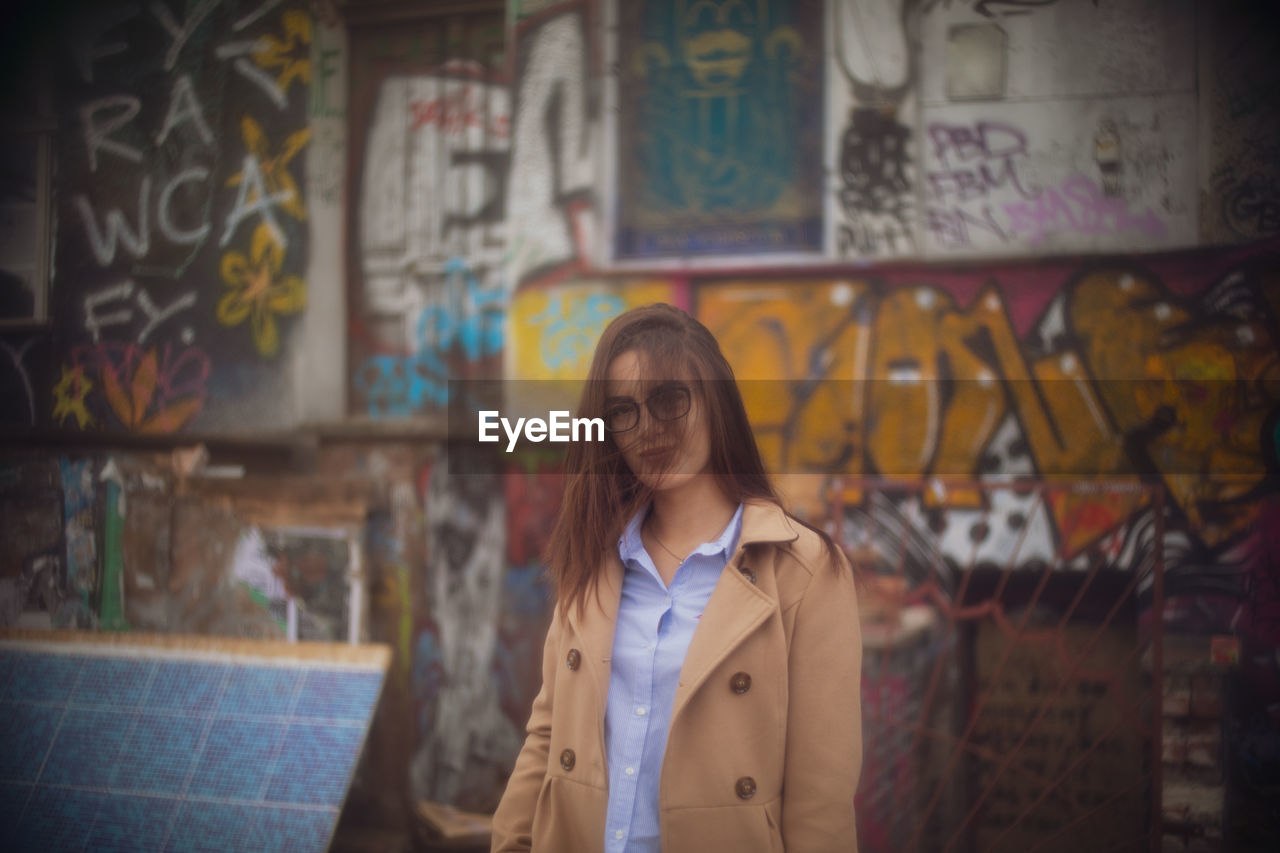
431, 182
981, 192
165, 213
1118, 370
554, 329
452, 338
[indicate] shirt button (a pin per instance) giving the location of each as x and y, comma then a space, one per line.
617, 833
640, 712
631, 771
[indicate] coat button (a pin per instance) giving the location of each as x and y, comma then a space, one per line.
740, 683
573, 658
567, 759
747, 573
746, 787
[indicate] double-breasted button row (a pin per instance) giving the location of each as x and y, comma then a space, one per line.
740, 683
572, 660
746, 787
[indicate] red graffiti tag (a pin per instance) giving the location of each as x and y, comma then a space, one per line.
455, 113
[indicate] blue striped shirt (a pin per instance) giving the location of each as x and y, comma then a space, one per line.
655, 627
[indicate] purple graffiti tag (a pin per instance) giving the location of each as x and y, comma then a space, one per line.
1078, 206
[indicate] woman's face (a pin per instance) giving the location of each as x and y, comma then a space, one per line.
666, 451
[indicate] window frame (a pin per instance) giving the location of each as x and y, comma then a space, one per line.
43, 125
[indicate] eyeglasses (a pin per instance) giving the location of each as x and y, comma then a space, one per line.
668, 402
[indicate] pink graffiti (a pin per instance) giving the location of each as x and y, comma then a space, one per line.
1078, 206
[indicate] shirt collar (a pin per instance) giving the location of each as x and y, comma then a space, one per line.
630, 545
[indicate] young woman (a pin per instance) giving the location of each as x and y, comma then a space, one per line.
700, 679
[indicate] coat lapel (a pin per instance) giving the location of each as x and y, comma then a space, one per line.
736, 607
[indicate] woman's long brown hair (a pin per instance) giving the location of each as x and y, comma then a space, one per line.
601, 493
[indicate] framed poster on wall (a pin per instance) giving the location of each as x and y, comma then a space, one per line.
717, 140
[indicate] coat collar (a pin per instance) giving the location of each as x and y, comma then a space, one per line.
765, 521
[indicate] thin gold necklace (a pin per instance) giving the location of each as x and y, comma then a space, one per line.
679, 559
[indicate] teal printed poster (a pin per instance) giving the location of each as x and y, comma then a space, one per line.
719, 128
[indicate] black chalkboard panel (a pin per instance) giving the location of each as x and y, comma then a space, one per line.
182, 230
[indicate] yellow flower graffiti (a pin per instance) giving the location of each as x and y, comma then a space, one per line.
258, 290
275, 170
69, 395
276, 53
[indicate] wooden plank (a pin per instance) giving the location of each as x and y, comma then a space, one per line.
371, 655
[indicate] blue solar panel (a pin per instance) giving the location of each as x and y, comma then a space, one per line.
115, 750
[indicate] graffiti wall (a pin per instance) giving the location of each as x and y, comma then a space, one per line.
1243, 129
873, 104
553, 192
946, 128
1164, 369
182, 229
430, 154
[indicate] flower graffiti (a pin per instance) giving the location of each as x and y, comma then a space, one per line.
257, 290
284, 54
153, 391
69, 396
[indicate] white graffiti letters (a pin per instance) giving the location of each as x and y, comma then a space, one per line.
97, 136
104, 245
184, 107
254, 198
171, 231
551, 162
114, 306
115, 229
180, 34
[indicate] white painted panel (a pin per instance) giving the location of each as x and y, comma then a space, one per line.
1071, 48
1048, 177
871, 132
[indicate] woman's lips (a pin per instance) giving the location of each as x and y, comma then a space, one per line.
656, 453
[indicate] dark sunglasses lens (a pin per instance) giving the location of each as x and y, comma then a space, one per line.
621, 418
669, 403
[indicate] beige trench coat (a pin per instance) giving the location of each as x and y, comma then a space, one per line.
765, 744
